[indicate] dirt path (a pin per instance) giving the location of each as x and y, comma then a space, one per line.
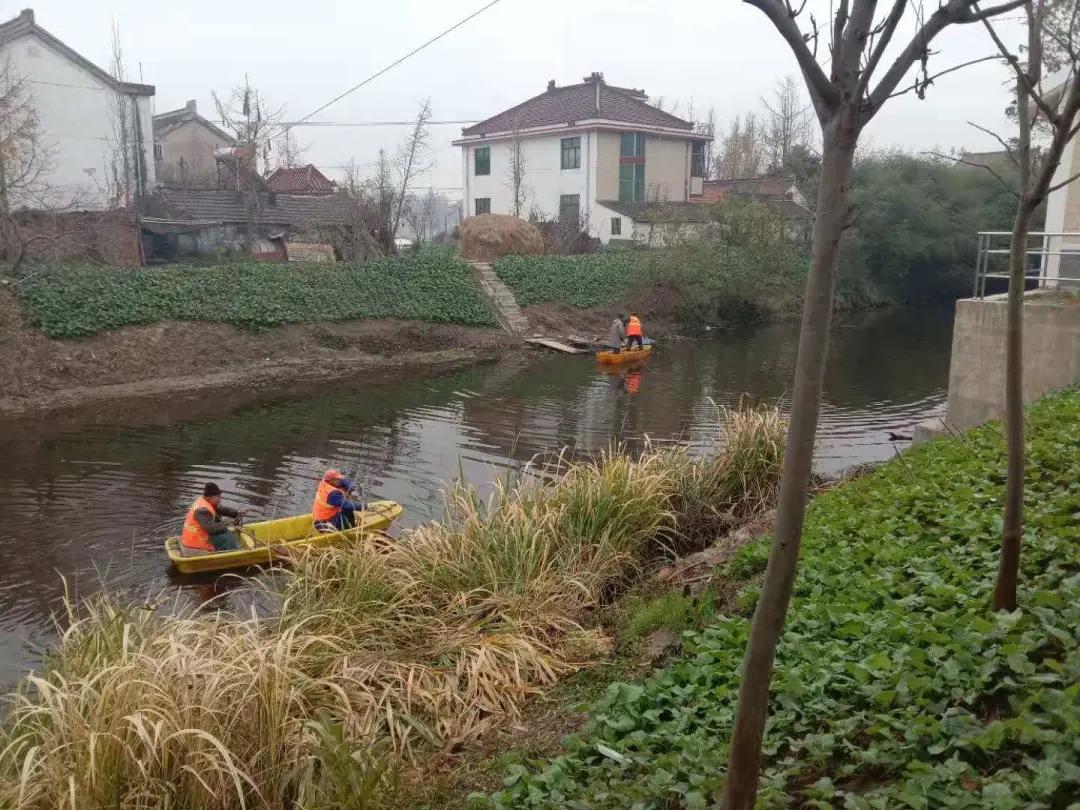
41, 374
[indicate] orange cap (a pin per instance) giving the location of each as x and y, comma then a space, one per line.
331, 476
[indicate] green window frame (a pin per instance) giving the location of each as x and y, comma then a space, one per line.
631, 182
482, 205
570, 208
632, 145
571, 153
482, 160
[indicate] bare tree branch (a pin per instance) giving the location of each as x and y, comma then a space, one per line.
821, 89
954, 11
1014, 62
997, 176
886, 30
999, 139
927, 81
1062, 184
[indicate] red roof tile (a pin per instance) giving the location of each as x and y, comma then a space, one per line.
580, 102
299, 180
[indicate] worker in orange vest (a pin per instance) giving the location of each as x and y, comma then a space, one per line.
204, 530
634, 332
332, 510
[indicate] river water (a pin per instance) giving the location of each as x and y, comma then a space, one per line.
91, 499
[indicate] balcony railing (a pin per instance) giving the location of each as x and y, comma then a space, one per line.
1053, 259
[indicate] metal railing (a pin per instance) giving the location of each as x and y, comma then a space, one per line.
1053, 259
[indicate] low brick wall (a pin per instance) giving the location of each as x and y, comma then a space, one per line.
104, 237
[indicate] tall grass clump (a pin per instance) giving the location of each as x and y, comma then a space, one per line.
375, 653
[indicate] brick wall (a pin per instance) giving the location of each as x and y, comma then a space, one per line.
103, 237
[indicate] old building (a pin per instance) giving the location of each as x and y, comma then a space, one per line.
299, 180
93, 133
185, 144
581, 146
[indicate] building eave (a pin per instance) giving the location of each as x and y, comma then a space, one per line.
570, 127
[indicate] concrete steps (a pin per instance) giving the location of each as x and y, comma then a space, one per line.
507, 311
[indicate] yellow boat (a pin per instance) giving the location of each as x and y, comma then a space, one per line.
624, 356
262, 543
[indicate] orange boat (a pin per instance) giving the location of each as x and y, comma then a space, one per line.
625, 356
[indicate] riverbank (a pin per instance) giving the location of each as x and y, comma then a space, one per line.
371, 654
186, 358
894, 684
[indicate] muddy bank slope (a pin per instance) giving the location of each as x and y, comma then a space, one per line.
40, 373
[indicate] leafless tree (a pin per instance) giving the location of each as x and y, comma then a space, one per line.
25, 161
845, 100
742, 149
244, 115
788, 122
412, 159
418, 213
125, 163
515, 172
707, 126
1053, 42
290, 152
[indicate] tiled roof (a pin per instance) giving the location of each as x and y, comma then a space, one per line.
580, 102
299, 180
167, 121
24, 24
771, 186
230, 207
659, 212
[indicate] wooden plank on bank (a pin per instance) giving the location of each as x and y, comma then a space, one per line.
556, 345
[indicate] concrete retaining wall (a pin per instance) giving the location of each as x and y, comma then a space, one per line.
977, 368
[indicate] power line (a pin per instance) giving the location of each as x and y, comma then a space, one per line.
397, 62
302, 123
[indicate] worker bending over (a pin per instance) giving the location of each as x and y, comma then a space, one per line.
332, 510
634, 332
617, 334
204, 529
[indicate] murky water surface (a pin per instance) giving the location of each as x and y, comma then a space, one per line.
90, 499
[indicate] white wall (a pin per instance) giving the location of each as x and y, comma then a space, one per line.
544, 183
76, 120
1063, 208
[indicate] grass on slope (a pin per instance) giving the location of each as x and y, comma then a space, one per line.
894, 686
432, 285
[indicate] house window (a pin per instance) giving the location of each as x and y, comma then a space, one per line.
697, 159
570, 209
632, 182
483, 205
159, 153
616, 226
571, 153
482, 160
632, 145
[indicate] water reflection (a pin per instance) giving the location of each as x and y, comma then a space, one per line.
96, 500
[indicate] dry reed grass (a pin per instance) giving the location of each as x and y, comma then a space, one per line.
486, 237
436, 638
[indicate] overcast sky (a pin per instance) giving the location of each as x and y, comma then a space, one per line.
718, 53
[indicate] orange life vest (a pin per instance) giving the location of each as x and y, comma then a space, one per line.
633, 327
194, 535
321, 510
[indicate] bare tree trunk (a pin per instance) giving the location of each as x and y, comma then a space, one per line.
740, 788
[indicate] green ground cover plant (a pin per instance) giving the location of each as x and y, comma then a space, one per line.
895, 686
431, 285
583, 281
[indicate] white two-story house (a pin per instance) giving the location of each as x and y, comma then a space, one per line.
589, 152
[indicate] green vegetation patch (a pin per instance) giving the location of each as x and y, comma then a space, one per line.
432, 285
584, 281
895, 686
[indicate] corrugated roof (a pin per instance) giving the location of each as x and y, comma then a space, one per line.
770, 186
230, 207
24, 24
580, 102
299, 180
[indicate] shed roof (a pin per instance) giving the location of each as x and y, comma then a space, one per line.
230, 207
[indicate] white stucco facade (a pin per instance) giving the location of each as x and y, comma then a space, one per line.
667, 170
76, 108
1063, 216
